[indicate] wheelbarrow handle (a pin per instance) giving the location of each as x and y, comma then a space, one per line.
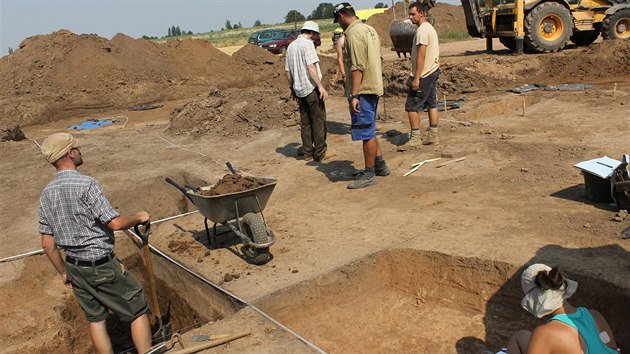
144, 234
181, 189
229, 166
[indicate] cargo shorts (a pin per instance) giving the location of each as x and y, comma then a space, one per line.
107, 287
426, 97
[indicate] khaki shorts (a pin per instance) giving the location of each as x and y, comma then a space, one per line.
107, 287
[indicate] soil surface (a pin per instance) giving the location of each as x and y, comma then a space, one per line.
351, 268
232, 183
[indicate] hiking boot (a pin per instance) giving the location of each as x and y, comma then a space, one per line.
381, 169
308, 157
363, 180
327, 155
414, 140
431, 137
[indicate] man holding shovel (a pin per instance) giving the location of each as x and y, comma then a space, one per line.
75, 215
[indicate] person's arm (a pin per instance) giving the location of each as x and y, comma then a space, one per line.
290, 80
123, 222
339, 49
312, 72
52, 252
357, 78
603, 326
422, 54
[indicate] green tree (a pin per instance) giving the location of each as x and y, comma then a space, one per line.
170, 33
189, 33
178, 32
10, 50
257, 23
380, 5
294, 16
323, 10
228, 25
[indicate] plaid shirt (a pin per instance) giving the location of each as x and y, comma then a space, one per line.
73, 209
300, 54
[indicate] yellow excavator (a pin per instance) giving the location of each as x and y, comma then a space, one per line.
546, 25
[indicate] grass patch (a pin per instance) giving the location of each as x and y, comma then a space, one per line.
453, 36
234, 37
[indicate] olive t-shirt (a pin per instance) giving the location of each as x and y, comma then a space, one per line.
362, 51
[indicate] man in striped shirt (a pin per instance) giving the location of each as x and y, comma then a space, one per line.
75, 215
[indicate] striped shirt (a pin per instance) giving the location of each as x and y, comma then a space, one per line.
300, 54
74, 209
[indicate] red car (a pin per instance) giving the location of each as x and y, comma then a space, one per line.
281, 40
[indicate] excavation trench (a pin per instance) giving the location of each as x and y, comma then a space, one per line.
424, 302
396, 300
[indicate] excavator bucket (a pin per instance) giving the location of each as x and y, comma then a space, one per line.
401, 32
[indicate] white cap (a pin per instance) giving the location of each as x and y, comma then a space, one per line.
310, 26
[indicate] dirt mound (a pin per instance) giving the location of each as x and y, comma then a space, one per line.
446, 18
468, 74
264, 104
52, 76
255, 55
235, 112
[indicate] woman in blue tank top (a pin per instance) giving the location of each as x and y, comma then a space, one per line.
570, 329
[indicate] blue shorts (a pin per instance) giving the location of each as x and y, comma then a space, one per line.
364, 121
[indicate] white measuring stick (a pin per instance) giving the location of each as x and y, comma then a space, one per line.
417, 166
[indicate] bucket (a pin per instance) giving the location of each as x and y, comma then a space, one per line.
597, 188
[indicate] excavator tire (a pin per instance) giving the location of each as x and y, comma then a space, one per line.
548, 27
508, 42
617, 25
584, 38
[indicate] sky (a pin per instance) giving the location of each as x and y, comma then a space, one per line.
20, 19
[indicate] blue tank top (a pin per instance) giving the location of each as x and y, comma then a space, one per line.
586, 327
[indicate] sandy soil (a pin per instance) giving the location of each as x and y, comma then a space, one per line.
516, 198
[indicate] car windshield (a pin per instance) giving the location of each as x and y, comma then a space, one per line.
265, 35
281, 35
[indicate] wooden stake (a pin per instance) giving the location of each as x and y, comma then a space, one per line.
450, 162
445, 106
523, 107
615, 90
209, 344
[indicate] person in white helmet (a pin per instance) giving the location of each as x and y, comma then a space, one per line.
305, 79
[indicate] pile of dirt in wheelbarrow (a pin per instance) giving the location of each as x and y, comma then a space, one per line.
447, 18
232, 183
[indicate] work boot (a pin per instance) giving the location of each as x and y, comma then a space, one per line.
308, 157
381, 169
327, 155
431, 137
364, 179
414, 141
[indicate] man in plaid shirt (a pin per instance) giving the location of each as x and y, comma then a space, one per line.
304, 75
75, 215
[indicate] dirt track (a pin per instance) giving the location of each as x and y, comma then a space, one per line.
451, 239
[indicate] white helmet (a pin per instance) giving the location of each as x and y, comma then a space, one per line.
310, 26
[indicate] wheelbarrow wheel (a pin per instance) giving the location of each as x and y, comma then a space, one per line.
255, 228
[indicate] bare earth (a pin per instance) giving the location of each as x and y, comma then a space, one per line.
413, 264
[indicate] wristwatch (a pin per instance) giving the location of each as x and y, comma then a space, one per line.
351, 97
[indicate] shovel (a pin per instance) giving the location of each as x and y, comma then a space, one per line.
164, 329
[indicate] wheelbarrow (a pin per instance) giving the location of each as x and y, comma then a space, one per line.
241, 211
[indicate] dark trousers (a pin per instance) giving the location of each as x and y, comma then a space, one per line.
313, 124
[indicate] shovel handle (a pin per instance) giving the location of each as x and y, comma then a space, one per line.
144, 235
229, 166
